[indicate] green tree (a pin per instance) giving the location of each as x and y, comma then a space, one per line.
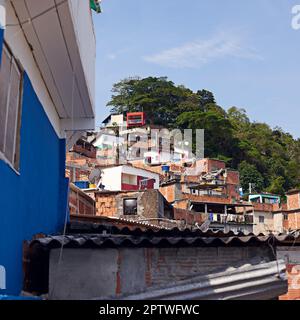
250, 174
158, 97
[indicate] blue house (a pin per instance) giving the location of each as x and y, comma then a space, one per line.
47, 85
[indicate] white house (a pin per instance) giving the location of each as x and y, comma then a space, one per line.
126, 178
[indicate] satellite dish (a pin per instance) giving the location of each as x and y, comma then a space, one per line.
95, 176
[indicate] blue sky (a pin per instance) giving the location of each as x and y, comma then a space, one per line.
245, 52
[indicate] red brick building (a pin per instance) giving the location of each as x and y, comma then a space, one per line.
291, 216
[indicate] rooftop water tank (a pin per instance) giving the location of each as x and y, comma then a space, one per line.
165, 168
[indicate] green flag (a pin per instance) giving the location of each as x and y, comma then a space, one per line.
95, 5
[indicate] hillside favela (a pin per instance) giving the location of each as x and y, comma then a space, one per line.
161, 192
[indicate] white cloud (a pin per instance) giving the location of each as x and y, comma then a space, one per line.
197, 53
111, 56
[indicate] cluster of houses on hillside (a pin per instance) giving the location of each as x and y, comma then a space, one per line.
196, 191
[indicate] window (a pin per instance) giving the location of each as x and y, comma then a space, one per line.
130, 207
286, 217
261, 219
129, 179
10, 102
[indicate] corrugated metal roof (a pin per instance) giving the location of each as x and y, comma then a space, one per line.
102, 221
121, 240
91, 234
262, 281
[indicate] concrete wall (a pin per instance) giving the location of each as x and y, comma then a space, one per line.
265, 227
112, 272
278, 222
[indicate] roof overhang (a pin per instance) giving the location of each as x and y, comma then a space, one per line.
61, 36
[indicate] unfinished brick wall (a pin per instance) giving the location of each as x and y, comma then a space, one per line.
167, 265
293, 201
183, 204
233, 177
208, 199
168, 191
189, 217
263, 207
80, 203
293, 222
89, 152
106, 205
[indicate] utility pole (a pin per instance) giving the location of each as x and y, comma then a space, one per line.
251, 186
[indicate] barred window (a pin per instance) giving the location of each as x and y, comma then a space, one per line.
10, 105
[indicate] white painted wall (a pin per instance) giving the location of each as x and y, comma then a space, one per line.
265, 227
111, 178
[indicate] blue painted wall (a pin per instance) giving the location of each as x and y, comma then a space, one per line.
36, 200
1, 41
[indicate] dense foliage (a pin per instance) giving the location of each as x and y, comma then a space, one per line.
268, 158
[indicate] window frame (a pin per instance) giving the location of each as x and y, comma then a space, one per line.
261, 219
124, 206
14, 163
